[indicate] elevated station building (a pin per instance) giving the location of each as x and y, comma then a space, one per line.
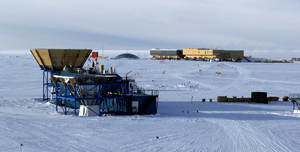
166, 54
203, 53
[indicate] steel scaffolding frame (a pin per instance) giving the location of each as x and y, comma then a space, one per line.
47, 85
75, 96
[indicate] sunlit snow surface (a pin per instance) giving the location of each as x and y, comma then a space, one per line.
25, 119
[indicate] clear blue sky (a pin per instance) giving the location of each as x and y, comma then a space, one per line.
251, 25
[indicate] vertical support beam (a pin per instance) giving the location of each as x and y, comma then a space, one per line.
100, 93
65, 101
47, 82
43, 85
75, 99
46, 85
124, 92
56, 91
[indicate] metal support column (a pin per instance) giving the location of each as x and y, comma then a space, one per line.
56, 91
65, 100
99, 96
75, 99
47, 85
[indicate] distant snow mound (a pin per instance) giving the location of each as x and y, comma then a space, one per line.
127, 56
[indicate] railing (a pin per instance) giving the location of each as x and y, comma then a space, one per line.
151, 92
141, 91
294, 96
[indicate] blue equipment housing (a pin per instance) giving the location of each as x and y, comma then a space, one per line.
89, 91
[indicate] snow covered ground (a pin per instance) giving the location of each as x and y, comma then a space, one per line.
26, 120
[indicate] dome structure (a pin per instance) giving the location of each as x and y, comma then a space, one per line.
127, 56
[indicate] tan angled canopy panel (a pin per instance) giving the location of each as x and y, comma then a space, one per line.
56, 59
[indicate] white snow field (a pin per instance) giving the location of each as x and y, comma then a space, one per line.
25, 119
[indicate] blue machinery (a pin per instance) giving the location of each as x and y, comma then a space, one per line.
68, 98
89, 91
90, 95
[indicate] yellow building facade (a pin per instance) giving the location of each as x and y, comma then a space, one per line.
200, 53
